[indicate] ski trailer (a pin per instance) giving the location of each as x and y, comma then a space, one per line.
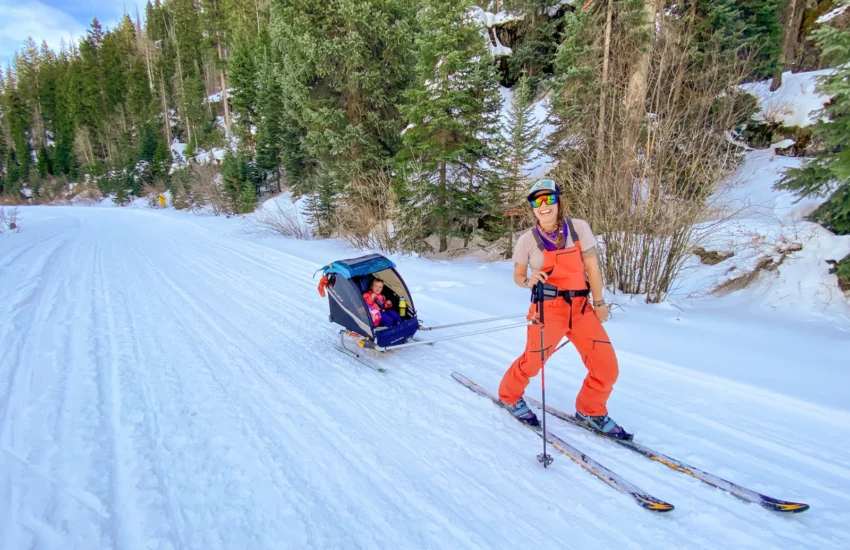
345, 282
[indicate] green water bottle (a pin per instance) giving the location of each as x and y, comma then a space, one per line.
402, 307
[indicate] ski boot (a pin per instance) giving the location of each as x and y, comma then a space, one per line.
605, 425
522, 413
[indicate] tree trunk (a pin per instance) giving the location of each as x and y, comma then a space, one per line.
635, 100
606, 57
166, 117
793, 18
182, 104
223, 78
143, 40
444, 242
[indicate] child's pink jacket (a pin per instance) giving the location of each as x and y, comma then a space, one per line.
376, 302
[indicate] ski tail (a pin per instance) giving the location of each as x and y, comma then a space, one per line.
641, 497
743, 493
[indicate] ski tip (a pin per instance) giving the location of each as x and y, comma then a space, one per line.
655, 505
784, 507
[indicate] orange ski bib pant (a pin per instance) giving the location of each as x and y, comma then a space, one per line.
573, 317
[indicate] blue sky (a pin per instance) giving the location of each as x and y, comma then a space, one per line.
52, 20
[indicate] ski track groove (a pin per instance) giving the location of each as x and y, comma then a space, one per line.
258, 416
205, 269
109, 387
189, 414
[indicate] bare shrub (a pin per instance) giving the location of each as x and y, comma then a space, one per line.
277, 217
367, 219
207, 189
10, 220
647, 150
84, 193
152, 193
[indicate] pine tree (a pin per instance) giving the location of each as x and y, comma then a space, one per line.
452, 113
19, 123
538, 38
343, 68
243, 73
829, 173
43, 164
522, 146
270, 131
749, 29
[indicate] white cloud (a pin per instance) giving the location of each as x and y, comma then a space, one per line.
21, 19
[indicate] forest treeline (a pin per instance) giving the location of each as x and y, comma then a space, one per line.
414, 120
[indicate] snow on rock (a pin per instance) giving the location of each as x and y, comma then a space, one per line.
216, 97
829, 16
178, 149
794, 103
216, 155
767, 232
489, 19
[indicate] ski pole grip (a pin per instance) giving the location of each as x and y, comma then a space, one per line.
539, 297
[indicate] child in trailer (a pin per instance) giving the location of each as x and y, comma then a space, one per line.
379, 306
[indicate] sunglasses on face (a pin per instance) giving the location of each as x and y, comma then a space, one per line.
537, 202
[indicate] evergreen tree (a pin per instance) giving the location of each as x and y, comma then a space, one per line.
522, 146
829, 173
538, 38
162, 160
240, 182
19, 121
749, 29
452, 113
343, 68
43, 164
270, 131
243, 73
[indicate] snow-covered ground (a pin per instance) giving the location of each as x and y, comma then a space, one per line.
169, 381
794, 103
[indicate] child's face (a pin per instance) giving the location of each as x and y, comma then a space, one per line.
377, 287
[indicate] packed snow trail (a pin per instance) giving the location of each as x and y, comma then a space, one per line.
166, 385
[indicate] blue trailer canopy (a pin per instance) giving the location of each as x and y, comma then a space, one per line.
357, 267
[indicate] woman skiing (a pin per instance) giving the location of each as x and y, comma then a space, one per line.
561, 253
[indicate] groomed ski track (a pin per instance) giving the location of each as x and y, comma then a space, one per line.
168, 383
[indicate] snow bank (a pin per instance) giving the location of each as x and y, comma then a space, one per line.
216, 154
490, 20
216, 97
766, 230
794, 103
829, 16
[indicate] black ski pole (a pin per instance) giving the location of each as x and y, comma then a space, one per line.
545, 458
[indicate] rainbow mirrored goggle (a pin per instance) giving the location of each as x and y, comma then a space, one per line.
537, 202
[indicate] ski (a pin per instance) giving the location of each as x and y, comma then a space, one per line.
356, 357
748, 495
642, 498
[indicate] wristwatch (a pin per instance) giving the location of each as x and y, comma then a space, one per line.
600, 303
